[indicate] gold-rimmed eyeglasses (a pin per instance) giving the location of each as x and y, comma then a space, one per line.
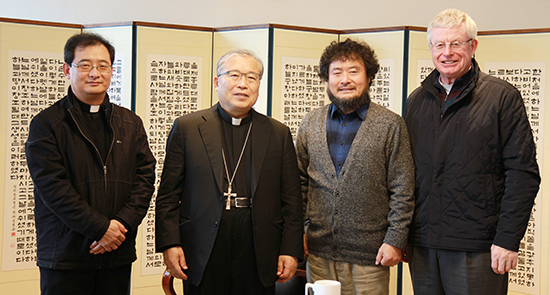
235, 76
86, 67
455, 45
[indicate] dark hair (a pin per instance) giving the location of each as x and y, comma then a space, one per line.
85, 40
349, 50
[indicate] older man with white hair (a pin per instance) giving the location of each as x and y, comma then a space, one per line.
476, 172
229, 210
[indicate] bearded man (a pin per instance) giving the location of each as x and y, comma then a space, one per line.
357, 177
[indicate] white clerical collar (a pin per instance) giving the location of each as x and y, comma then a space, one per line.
236, 121
94, 108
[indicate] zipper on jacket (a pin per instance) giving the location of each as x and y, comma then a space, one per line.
110, 147
105, 176
442, 112
96, 150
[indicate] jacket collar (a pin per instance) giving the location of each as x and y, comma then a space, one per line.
74, 108
211, 133
473, 75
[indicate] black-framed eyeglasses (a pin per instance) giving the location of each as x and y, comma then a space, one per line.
86, 67
235, 76
455, 45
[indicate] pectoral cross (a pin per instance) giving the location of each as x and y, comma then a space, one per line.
229, 194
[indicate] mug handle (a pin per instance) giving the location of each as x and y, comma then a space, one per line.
309, 286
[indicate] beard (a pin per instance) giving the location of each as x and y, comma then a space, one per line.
349, 105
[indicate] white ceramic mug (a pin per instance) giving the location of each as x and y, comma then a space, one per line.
324, 287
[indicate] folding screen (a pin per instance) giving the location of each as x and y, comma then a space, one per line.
172, 77
521, 58
120, 35
389, 45
165, 71
31, 79
297, 88
420, 59
255, 38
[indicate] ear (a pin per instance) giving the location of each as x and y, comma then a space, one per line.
474, 46
216, 80
67, 70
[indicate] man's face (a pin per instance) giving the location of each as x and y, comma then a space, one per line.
90, 86
237, 95
452, 63
347, 84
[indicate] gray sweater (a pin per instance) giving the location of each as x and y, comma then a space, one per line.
372, 201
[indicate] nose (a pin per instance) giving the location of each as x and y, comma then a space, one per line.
94, 71
242, 82
345, 78
447, 50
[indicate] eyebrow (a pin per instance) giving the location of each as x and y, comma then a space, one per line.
440, 41
89, 60
341, 68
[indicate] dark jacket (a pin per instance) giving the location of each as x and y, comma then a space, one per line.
77, 195
476, 172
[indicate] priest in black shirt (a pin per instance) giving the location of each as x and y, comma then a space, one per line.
229, 211
93, 177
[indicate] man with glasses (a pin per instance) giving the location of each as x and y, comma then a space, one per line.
228, 210
476, 172
93, 177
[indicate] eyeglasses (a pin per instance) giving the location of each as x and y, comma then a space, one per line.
455, 45
86, 67
235, 76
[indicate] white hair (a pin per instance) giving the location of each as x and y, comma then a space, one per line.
450, 18
242, 52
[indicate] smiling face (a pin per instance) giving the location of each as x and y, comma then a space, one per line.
238, 97
89, 87
452, 63
347, 83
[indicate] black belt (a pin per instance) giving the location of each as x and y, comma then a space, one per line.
241, 202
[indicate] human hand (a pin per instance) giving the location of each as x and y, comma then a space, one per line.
96, 248
286, 268
503, 260
111, 240
174, 259
388, 255
405, 254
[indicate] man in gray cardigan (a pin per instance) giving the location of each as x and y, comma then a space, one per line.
357, 177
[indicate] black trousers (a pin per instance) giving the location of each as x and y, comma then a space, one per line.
448, 272
231, 268
110, 281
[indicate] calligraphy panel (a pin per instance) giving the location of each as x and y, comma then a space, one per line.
530, 79
174, 89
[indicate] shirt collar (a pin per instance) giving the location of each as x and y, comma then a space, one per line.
227, 118
361, 111
460, 82
86, 108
